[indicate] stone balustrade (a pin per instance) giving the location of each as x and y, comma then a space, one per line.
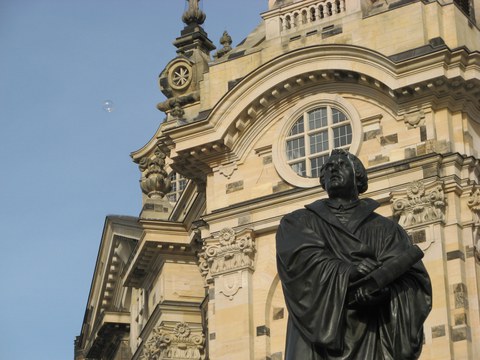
310, 14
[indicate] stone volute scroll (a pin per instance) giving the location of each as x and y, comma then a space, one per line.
419, 203
178, 342
225, 257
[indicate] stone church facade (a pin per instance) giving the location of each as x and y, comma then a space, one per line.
247, 129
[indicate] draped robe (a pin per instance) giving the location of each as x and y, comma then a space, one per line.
315, 255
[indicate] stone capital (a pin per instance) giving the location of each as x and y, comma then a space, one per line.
228, 252
419, 203
178, 342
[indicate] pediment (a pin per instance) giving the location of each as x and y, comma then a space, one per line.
108, 300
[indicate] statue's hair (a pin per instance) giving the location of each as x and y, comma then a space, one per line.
361, 177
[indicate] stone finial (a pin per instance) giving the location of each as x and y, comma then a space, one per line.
155, 182
193, 14
226, 41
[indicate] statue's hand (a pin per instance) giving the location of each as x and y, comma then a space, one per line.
364, 297
365, 267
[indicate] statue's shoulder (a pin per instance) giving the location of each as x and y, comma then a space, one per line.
375, 219
306, 214
298, 215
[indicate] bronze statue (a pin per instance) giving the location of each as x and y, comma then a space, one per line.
354, 285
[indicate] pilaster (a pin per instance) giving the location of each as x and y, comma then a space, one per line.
227, 262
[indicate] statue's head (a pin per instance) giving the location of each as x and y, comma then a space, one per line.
345, 172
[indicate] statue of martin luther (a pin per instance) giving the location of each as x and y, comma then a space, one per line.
354, 285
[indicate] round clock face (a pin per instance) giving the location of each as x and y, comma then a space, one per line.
180, 76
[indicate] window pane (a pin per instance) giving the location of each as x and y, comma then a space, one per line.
298, 128
299, 168
295, 148
338, 116
316, 164
182, 183
342, 135
315, 133
178, 184
318, 142
317, 118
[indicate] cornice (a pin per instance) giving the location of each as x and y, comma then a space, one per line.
108, 325
430, 77
376, 174
160, 241
149, 147
117, 229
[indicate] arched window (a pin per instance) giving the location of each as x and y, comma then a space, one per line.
309, 130
313, 135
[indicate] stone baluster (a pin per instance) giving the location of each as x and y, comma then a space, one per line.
311, 14
321, 11
329, 8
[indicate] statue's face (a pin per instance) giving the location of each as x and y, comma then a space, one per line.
339, 176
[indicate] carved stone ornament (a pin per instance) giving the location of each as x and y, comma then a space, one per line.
177, 343
227, 254
419, 203
415, 119
177, 111
155, 182
228, 169
193, 14
226, 41
474, 205
180, 75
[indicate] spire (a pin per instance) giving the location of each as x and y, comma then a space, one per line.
193, 14
193, 37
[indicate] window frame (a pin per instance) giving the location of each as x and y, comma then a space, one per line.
176, 180
304, 106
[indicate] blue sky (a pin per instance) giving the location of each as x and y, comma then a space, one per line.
64, 159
